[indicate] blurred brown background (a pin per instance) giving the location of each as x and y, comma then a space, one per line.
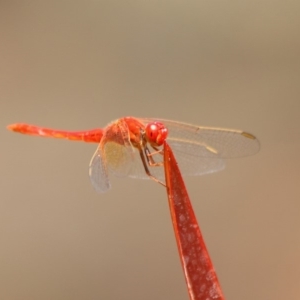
81, 64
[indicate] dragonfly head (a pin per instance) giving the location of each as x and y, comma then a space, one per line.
156, 133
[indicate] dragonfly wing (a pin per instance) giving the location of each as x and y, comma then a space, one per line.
198, 165
209, 141
138, 171
119, 158
189, 165
113, 156
118, 149
201, 150
98, 172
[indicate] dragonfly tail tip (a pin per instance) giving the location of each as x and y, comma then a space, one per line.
13, 127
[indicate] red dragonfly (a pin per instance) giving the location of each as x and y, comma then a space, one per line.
145, 148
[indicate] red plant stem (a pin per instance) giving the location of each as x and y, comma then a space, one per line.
200, 276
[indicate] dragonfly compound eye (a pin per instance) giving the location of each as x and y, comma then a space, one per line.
156, 133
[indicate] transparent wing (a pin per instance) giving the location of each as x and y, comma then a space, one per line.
98, 172
209, 141
189, 165
201, 150
119, 158
118, 149
198, 165
198, 150
113, 156
138, 170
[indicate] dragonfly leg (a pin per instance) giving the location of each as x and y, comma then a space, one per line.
149, 156
157, 151
145, 163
